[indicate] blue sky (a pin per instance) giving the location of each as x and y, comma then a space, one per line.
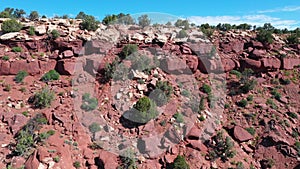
281, 13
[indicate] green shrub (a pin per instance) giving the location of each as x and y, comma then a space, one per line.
162, 93
55, 34
222, 148
33, 15
276, 95
56, 159
182, 34
20, 76
43, 98
25, 139
180, 163
250, 98
271, 103
182, 23
144, 21
11, 26
146, 110
201, 118
242, 103
206, 88
236, 73
16, 49
109, 71
89, 23
202, 104
265, 36
292, 39
297, 145
6, 58
285, 81
7, 87
292, 115
89, 103
76, 164
208, 32
141, 63
46, 135
31, 31
128, 50
178, 117
49, 76
94, 128
251, 130
128, 160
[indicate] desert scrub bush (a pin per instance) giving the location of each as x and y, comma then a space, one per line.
284, 81
46, 135
128, 160
55, 34
242, 103
297, 145
109, 71
271, 103
20, 76
180, 163
276, 94
5, 58
250, 98
7, 87
26, 138
178, 117
265, 36
76, 164
43, 98
11, 26
31, 30
182, 34
222, 148
292, 39
88, 103
49, 76
144, 110
236, 73
16, 49
206, 88
34, 15
128, 50
94, 128
144, 21
247, 84
251, 130
56, 159
89, 23
141, 63
292, 115
162, 93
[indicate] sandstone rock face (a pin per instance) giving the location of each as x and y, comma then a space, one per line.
228, 64
31, 67
250, 63
241, 134
271, 63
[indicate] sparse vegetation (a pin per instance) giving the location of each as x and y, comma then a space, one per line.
56, 159
34, 15
128, 50
49, 76
265, 36
5, 58
89, 103
31, 31
89, 22
146, 110
271, 103
16, 49
251, 130
292, 115
20, 76
162, 93
236, 73
43, 98
144, 21
242, 103
11, 26
128, 160
182, 34
76, 164
180, 163
178, 117
55, 34
206, 88
94, 128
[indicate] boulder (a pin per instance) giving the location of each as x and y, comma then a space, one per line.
235, 46
9, 36
41, 29
32, 67
258, 53
4, 68
192, 62
241, 134
256, 44
174, 65
197, 145
46, 66
18, 121
68, 54
228, 64
194, 133
200, 48
271, 63
250, 63
32, 162
290, 63
68, 67
108, 159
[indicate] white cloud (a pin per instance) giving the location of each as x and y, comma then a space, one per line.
257, 20
284, 9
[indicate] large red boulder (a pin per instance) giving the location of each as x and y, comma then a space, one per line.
192, 62
32, 162
241, 134
250, 63
228, 64
45, 66
68, 67
290, 63
235, 46
108, 159
4, 67
32, 67
271, 63
258, 53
